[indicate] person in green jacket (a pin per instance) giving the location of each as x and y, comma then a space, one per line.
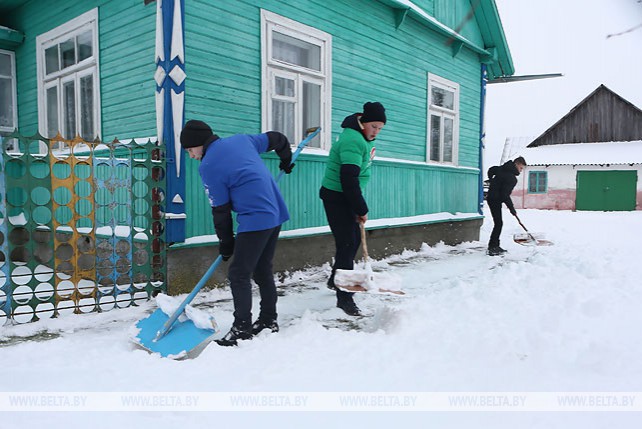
347, 173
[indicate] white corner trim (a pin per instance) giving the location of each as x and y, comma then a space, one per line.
160, 107
177, 49
159, 51
178, 102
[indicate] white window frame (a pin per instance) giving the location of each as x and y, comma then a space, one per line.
440, 82
271, 67
91, 65
14, 91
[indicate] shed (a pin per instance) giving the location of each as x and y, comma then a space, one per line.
590, 159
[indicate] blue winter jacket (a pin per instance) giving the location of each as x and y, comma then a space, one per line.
233, 173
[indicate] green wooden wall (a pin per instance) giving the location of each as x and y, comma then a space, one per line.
126, 41
370, 62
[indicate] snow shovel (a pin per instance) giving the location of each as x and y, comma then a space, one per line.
175, 339
366, 280
529, 239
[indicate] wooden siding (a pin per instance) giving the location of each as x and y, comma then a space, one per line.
452, 13
224, 70
223, 64
603, 116
373, 62
395, 190
126, 41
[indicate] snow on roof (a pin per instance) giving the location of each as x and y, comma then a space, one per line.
584, 153
513, 146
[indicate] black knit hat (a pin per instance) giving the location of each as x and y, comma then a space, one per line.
373, 112
195, 133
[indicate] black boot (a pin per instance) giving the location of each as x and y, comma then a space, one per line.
346, 303
239, 331
264, 323
331, 284
496, 251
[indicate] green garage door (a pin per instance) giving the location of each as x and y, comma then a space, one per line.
606, 190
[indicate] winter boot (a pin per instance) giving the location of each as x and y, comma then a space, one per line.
264, 323
346, 303
238, 332
496, 251
331, 284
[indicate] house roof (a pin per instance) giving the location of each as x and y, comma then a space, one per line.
606, 153
495, 51
560, 123
513, 146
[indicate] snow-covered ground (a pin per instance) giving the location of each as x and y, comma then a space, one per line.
564, 318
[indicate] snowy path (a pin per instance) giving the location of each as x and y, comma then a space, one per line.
560, 318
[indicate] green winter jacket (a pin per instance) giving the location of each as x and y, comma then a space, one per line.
350, 148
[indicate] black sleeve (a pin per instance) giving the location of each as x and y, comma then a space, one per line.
509, 203
507, 188
349, 175
279, 143
223, 222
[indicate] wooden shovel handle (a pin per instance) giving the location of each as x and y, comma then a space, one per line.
364, 244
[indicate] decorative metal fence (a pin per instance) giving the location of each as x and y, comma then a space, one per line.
81, 226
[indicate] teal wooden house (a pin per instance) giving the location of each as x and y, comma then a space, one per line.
141, 68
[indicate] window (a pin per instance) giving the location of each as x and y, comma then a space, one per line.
68, 93
8, 114
296, 82
537, 182
443, 120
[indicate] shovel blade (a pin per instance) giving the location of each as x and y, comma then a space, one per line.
350, 277
184, 340
534, 239
365, 281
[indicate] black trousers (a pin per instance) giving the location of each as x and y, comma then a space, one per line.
496, 212
345, 229
253, 254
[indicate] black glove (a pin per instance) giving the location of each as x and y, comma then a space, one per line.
226, 249
286, 164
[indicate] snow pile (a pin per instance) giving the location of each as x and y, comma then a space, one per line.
201, 319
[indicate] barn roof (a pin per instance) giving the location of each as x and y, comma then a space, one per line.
613, 108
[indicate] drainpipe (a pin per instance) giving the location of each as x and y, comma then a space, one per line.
482, 138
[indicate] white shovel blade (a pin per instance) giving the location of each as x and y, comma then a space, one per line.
365, 281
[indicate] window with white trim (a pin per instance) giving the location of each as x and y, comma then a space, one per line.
8, 111
443, 120
8, 98
296, 82
68, 76
8, 116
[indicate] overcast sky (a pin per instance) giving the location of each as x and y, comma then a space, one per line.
562, 36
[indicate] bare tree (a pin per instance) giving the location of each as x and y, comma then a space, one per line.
635, 27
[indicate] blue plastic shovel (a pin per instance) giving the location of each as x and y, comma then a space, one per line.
163, 334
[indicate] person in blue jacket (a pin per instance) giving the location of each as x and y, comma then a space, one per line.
236, 179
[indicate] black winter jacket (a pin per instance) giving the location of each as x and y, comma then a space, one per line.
502, 181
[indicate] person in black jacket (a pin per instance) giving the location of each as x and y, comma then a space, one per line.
502, 181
